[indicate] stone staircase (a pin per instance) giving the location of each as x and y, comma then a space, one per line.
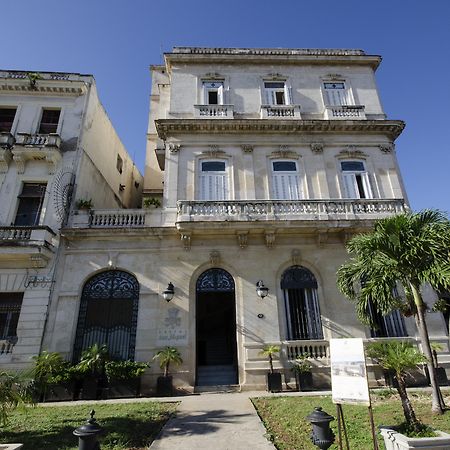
218, 378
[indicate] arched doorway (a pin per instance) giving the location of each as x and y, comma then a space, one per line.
303, 319
216, 328
108, 314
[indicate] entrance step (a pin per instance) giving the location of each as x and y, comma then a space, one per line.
219, 389
216, 375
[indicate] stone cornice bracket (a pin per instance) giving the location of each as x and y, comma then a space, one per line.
317, 148
52, 161
186, 240
5, 159
295, 257
242, 237
247, 148
214, 151
214, 257
270, 239
386, 148
20, 163
351, 152
322, 238
174, 148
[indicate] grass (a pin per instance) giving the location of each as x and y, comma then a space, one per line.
127, 425
287, 427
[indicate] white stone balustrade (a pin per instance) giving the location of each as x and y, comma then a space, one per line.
316, 349
117, 218
15, 233
280, 112
38, 140
213, 111
253, 210
6, 347
345, 112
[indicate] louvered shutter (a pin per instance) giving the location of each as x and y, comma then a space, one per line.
350, 186
286, 186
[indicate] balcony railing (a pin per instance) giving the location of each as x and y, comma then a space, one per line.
15, 233
213, 111
117, 219
39, 140
6, 346
280, 112
345, 112
257, 210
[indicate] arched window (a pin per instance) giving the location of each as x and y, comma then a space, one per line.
108, 314
302, 306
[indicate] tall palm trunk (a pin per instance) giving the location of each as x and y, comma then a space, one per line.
437, 403
408, 410
271, 362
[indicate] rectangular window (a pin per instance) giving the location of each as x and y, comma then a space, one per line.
7, 118
213, 181
49, 121
275, 93
30, 204
213, 92
336, 94
355, 179
286, 183
10, 304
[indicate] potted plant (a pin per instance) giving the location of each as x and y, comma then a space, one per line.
303, 375
92, 364
165, 357
399, 357
84, 204
151, 202
125, 373
273, 378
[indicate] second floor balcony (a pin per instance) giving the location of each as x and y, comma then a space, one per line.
345, 112
214, 111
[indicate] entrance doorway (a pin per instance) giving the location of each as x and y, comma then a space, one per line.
216, 329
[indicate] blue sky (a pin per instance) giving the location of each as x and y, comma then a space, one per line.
116, 41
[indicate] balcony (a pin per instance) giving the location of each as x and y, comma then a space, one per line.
26, 246
6, 140
280, 112
214, 111
276, 210
345, 112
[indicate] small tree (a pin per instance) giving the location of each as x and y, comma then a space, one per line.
270, 351
167, 356
399, 357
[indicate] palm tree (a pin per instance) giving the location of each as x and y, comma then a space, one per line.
398, 357
410, 250
166, 356
270, 351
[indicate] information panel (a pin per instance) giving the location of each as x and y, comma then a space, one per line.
348, 372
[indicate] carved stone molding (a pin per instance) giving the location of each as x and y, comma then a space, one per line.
242, 237
20, 163
112, 259
274, 76
214, 151
284, 152
334, 76
5, 159
214, 257
270, 239
174, 148
322, 238
186, 240
214, 76
52, 162
386, 148
247, 148
352, 152
295, 256
317, 148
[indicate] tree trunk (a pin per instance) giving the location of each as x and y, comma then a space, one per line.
271, 363
437, 403
408, 410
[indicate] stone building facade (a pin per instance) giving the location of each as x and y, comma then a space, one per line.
265, 162
57, 146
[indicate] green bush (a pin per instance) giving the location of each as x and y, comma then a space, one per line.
124, 370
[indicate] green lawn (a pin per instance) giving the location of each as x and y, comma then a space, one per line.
285, 418
128, 425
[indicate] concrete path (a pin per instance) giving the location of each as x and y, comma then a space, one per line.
214, 422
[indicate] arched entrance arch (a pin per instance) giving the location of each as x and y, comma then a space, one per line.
108, 314
303, 319
216, 328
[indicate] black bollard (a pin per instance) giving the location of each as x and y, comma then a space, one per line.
88, 434
322, 435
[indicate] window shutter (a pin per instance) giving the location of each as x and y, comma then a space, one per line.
350, 187
288, 91
366, 184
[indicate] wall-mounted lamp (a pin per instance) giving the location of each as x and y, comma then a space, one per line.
169, 292
261, 290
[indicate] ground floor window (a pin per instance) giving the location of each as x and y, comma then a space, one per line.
301, 304
10, 304
108, 314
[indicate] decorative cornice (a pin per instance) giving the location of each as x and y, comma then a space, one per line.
174, 148
169, 127
351, 152
246, 148
284, 152
214, 151
317, 148
386, 148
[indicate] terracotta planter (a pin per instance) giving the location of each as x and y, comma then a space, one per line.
396, 441
274, 382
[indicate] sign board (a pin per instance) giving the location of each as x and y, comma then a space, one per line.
348, 372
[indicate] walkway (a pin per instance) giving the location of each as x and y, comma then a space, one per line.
214, 422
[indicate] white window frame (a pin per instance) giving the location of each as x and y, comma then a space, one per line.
337, 100
209, 86
202, 194
291, 195
269, 94
60, 121
353, 181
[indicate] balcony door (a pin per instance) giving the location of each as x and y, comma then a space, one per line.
30, 204
286, 182
213, 180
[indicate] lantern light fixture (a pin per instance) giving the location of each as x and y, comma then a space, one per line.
261, 290
169, 292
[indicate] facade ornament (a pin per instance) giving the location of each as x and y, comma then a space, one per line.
5, 159
295, 256
317, 148
186, 240
112, 259
174, 148
214, 257
242, 237
20, 163
322, 238
352, 152
334, 76
214, 75
38, 261
270, 239
214, 151
247, 148
386, 148
274, 76
52, 162
284, 152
